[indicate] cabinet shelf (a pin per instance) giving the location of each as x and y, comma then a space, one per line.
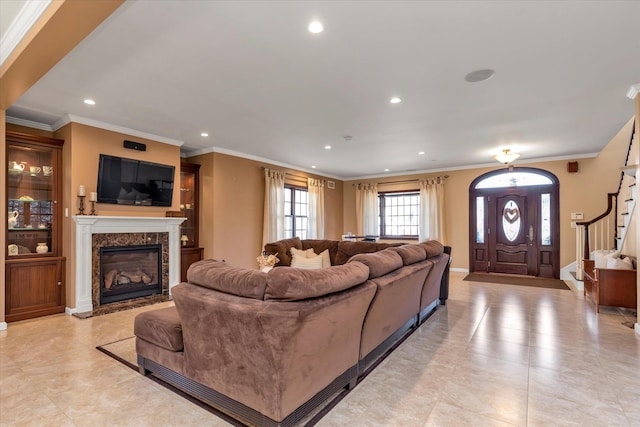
29, 229
31, 201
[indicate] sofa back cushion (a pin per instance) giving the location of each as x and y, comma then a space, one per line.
283, 249
347, 249
379, 263
411, 254
221, 277
293, 284
433, 247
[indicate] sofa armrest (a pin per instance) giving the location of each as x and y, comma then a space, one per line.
270, 355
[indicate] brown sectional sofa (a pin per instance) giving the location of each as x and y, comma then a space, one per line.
269, 347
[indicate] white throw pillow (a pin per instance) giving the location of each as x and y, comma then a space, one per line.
309, 253
620, 264
307, 263
602, 256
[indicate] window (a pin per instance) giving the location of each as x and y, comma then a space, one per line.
296, 208
399, 214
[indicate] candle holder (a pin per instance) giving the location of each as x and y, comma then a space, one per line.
81, 208
93, 207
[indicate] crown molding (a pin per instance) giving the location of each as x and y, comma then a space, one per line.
258, 159
69, 118
518, 162
633, 91
29, 123
19, 27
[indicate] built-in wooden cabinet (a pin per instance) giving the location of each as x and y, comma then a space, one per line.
189, 208
34, 273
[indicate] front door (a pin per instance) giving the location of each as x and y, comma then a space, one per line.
514, 229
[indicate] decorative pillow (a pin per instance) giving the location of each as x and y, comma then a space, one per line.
306, 263
309, 253
620, 264
601, 257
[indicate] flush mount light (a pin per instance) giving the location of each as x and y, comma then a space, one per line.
395, 100
421, 153
316, 27
479, 75
204, 134
506, 156
386, 170
313, 167
327, 147
89, 101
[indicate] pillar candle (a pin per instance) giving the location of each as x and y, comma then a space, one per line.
82, 191
93, 196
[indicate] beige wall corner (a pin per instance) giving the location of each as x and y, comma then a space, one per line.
637, 154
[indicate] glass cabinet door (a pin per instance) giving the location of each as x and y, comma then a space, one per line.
189, 204
31, 201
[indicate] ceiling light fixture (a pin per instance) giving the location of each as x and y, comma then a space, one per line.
313, 167
386, 170
479, 75
327, 147
89, 102
204, 134
395, 100
316, 27
421, 153
506, 156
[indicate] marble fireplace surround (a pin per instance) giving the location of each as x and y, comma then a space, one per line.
87, 226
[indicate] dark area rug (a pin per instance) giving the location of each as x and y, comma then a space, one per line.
537, 282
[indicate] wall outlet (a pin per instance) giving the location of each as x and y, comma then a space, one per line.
573, 224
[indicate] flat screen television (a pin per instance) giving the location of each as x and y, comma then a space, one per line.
134, 182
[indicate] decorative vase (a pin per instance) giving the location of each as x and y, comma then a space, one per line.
13, 219
42, 248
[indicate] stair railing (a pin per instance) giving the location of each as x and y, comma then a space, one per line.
604, 228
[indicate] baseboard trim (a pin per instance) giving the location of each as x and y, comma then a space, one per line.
70, 311
460, 270
637, 328
3, 326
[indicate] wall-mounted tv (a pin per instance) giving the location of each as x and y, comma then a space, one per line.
134, 182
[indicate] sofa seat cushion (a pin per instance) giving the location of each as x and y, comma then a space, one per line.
294, 284
411, 254
379, 263
222, 277
161, 327
282, 249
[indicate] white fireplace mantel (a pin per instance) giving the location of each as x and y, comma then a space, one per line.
86, 226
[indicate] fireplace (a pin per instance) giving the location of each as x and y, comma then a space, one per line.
128, 272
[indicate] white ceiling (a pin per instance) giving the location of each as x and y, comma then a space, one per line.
251, 75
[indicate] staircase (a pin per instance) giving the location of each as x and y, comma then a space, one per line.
609, 230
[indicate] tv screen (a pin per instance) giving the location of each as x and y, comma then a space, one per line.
134, 182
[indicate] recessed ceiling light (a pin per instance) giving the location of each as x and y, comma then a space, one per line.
327, 147
395, 100
386, 170
204, 134
89, 101
479, 75
313, 167
421, 152
316, 27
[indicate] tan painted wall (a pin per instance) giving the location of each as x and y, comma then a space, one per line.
232, 201
637, 209
596, 176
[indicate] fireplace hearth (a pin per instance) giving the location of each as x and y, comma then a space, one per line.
128, 272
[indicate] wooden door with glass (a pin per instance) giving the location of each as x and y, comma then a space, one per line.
514, 223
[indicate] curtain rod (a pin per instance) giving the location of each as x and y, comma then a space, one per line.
290, 174
407, 180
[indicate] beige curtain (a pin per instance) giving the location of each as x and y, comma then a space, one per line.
367, 217
315, 216
432, 210
273, 225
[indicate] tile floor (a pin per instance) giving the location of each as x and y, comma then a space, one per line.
495, 355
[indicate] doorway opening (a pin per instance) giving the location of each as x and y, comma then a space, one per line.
514, 223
